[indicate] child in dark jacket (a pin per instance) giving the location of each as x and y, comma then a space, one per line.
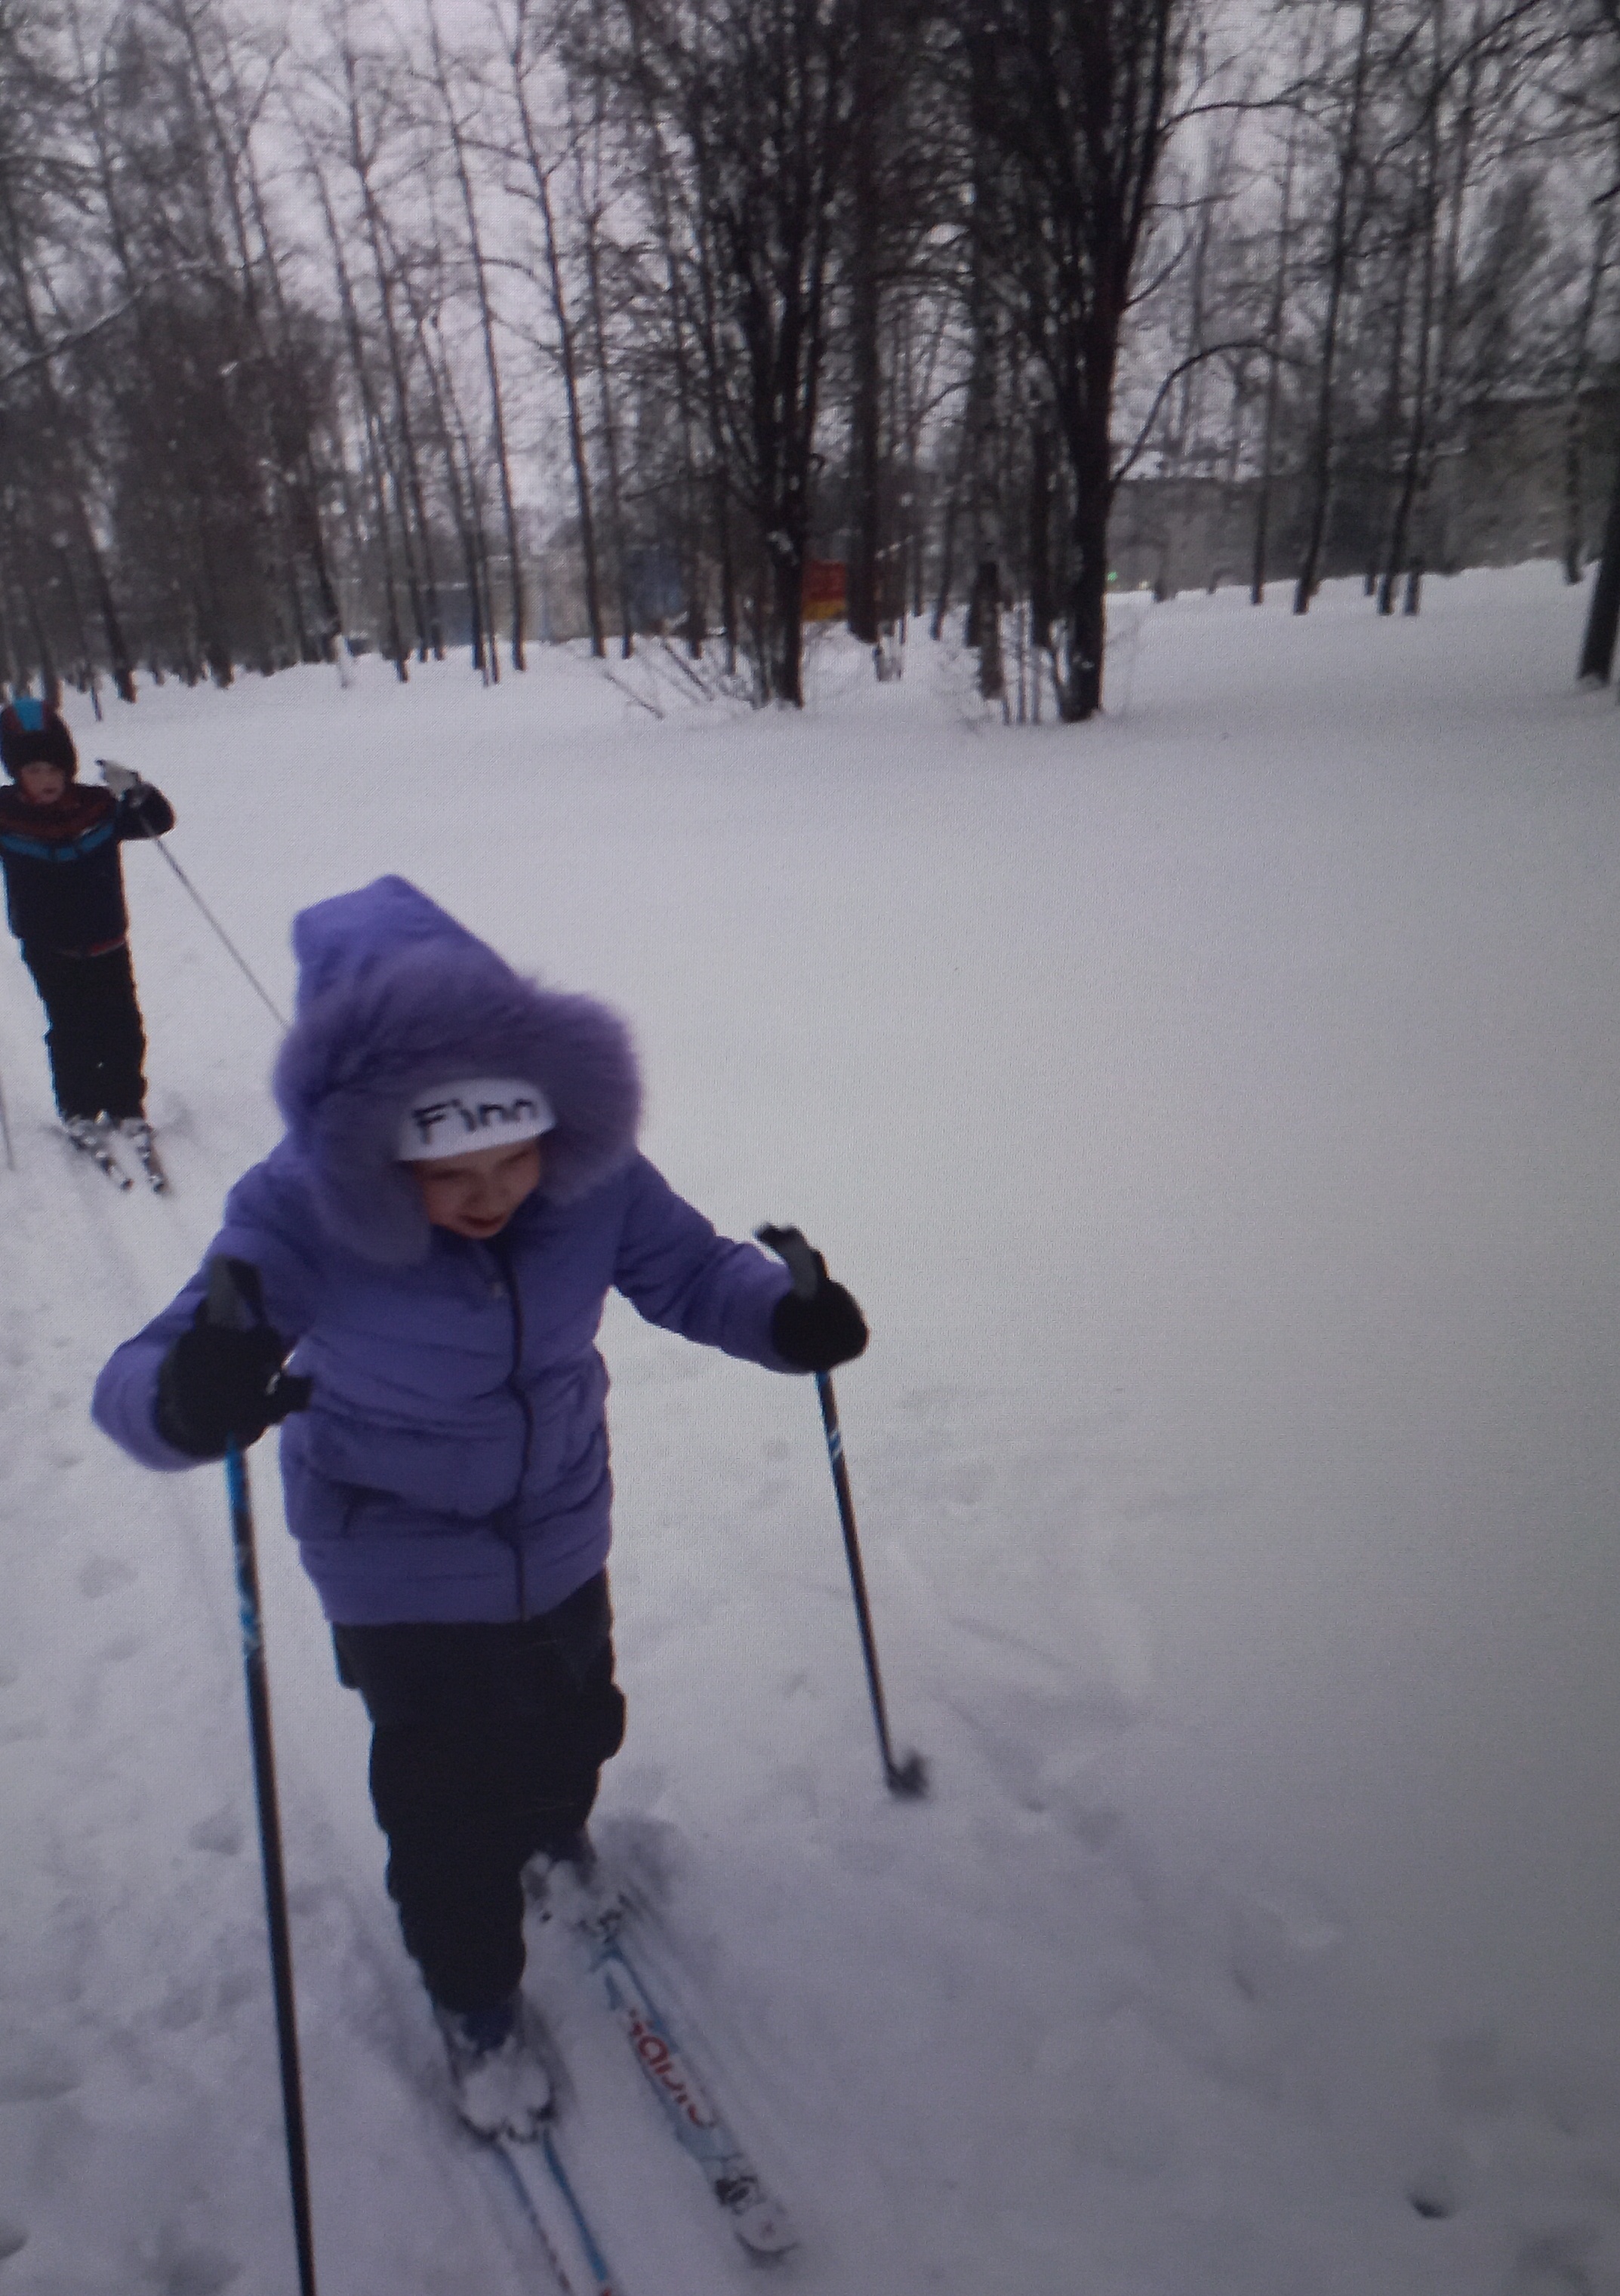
64, 892
434, 1239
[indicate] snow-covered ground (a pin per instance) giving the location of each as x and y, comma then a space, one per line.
1215, 1111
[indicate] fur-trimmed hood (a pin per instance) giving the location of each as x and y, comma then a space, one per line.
395, 996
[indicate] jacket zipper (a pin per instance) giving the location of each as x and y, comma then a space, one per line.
501, 1253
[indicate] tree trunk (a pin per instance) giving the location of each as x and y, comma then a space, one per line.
983, 411
370, 420
785, 638
1042, 606
1462, 139
987, 630
866, 321
1603, 614
464, 516
947, 545
486, 316
1081, 685
300, 481
1575, 519
1274, 322
1418, 436
63, 447
415, 528
610, 429
1320, 467
482, 585
188, 21
567, 351
121, 666
50, 684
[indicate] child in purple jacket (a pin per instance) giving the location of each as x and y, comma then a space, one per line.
434, 1239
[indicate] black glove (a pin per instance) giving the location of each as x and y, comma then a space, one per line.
216, 1383
819, 1329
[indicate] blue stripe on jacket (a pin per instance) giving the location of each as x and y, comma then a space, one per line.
61, 848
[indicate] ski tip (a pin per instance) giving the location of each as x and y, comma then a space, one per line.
908, 1780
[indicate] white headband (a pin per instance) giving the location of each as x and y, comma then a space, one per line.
451, 1119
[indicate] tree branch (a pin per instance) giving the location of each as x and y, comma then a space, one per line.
1183, 366
108, 319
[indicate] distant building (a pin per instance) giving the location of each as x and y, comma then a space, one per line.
1503, 494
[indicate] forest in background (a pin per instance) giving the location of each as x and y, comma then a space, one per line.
470, 323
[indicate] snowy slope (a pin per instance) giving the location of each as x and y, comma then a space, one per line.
1214, 1111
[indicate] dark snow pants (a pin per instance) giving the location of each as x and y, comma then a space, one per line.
487, 1743
96, 1040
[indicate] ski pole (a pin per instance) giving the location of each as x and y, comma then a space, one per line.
6, 1132
231, 948
229, 1308
908, 1778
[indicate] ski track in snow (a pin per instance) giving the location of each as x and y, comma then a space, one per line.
1214, 1111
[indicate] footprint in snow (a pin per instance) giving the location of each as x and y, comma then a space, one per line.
181, 2007
1436, 2194
103, 1574
177, 2266
1282, 1946
201, 2272
35, 2076
221, 1833
1553, 2264
12, 2238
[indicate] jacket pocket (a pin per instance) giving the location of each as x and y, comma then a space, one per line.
460, 1477
317, 1505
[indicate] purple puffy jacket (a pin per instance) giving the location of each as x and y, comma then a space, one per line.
453, 1463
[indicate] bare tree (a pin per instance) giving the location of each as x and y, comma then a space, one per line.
754, 98
1281, 281
444, 89
1077, 99
518, 43
1347, 125
1578, 371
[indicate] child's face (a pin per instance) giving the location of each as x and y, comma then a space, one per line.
41, 783
476, 1195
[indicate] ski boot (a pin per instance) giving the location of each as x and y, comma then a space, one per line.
501, 2086
136, 1135
569, 1857
89, 1136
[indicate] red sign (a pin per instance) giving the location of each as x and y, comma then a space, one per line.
826, 590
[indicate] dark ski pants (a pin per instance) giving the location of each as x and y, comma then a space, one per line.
96, 1040
487, 1743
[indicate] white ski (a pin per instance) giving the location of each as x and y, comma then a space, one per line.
138, 1139
757, 2219
91, 1141
546, 2194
